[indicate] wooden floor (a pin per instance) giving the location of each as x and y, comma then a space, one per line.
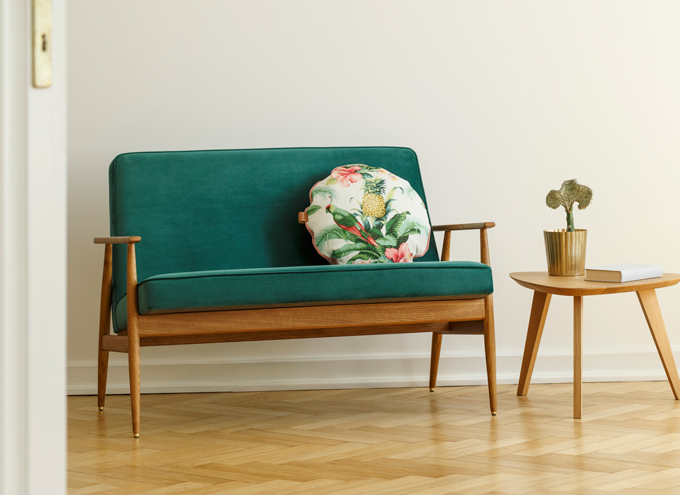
387, 441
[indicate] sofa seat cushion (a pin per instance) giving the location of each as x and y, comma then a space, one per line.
271, 287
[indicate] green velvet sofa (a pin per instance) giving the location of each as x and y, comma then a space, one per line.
206, 246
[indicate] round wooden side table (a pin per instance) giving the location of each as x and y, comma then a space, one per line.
544, 286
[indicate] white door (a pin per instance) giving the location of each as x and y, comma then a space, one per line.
32, 259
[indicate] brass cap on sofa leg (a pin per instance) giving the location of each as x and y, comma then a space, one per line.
431, 389
101, 408
136, 435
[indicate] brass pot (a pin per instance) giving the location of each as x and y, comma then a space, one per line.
565, 252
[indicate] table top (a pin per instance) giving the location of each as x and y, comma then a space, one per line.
577, 286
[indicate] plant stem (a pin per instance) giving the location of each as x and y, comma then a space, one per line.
570, 221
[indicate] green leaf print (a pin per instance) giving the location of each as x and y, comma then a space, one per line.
330, 232
313, 209
411, 223
387, 241
366, 249
375, 233
327, 192
363, 257
394, 224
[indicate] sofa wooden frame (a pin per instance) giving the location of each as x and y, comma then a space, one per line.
456, 316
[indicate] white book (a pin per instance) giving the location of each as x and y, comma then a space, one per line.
623, 272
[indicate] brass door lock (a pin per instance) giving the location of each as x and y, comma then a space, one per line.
42, 43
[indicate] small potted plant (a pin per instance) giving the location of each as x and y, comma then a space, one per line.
565, 249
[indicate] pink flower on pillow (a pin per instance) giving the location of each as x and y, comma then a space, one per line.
401, 255
346, 175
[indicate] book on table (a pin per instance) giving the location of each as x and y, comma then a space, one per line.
623, 272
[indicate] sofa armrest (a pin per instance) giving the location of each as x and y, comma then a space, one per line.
483, 238
131, 283
117, 240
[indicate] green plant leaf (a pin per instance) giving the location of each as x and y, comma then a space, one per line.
313, 209
569, 193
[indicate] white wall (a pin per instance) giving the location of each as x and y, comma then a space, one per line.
502, 101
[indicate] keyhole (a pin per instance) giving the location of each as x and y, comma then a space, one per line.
44, 42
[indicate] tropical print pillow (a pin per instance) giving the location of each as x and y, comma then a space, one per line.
364, 214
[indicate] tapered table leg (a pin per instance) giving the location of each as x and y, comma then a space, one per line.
578, 352
539, 311
652, 311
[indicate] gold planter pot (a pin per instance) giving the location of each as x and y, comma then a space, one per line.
565, 252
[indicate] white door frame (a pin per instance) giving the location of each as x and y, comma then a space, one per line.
32, 260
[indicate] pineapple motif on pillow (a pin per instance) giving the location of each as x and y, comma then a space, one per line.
363, 214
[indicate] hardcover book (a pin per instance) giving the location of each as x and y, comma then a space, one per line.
623, 272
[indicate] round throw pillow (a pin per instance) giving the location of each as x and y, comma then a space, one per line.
363, 214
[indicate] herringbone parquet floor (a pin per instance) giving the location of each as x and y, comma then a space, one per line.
388, 441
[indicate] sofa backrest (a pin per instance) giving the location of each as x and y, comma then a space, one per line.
224, 209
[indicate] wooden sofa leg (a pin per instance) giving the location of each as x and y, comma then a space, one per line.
490, 351
103, 368
133, 338
434, 358
104, 326
135, 397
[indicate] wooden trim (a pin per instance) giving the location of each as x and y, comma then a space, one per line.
463, 226
115, 343
181, 339
117, 240
323, 303
104, 326
465, 328
252, 321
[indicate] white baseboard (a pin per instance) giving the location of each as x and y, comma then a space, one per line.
380, 371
